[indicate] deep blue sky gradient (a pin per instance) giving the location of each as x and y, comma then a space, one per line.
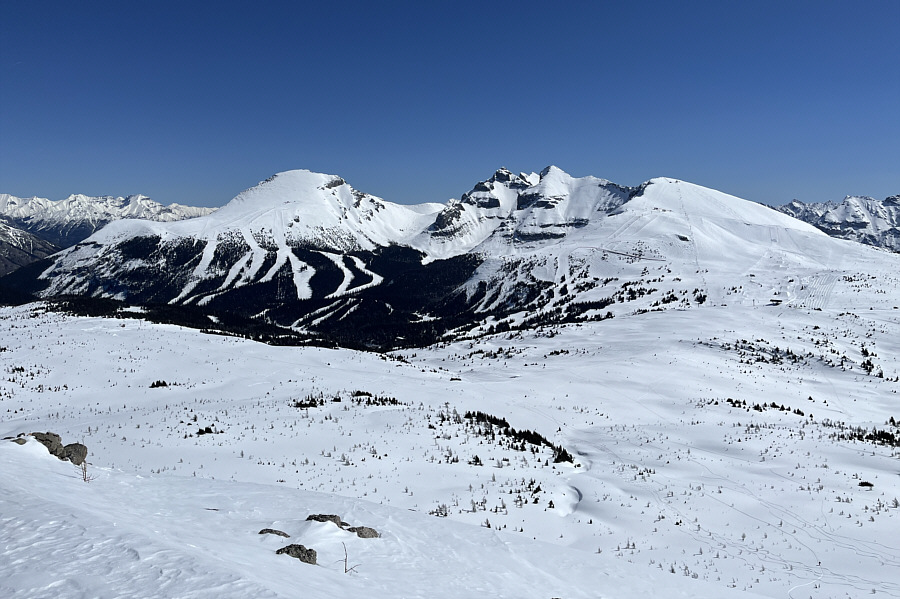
192, 102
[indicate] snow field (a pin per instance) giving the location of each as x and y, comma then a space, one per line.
671, 480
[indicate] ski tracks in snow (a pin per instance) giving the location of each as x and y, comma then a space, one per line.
817, 290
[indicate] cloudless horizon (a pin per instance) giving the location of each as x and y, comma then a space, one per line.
416, 102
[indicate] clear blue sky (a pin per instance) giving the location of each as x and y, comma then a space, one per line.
192, 102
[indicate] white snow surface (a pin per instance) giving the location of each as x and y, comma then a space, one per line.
18, 238
296, 206
680, 487
127, 535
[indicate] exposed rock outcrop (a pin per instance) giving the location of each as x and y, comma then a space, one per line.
73, 452
327, 518
300, 552
273, 531
52, 442
364, 532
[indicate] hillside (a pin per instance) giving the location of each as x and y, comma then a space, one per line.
18, 248
716, 449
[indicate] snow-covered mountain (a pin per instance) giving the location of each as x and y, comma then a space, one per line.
510, 210
307, 252
656, 391
18, 248
66, 222
863, 219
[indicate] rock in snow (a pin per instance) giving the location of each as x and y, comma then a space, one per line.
73, 452
364, 532
327, 518
307, 556
272, 531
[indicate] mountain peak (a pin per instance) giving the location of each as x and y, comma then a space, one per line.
502, 175
553, 170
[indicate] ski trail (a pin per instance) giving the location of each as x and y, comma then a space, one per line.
200, 270
817, 291
302, 274
257, 257
338, 260
281, 256
693, 242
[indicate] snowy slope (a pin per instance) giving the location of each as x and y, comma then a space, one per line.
671, 245
66, 222
294, 208
687, 481
126, 535
861, 219
254, 237
724, 377
18, 248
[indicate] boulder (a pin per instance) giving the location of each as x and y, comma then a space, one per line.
303, 554
364, 532
75, 453
272, 531
52, 442
327, 518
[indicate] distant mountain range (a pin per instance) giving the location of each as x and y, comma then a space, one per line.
863, 219
36, 227
304, 257
66, 222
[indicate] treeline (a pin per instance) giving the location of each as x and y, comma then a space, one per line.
523, 436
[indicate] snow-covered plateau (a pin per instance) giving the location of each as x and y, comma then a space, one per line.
660, 391
714, 454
